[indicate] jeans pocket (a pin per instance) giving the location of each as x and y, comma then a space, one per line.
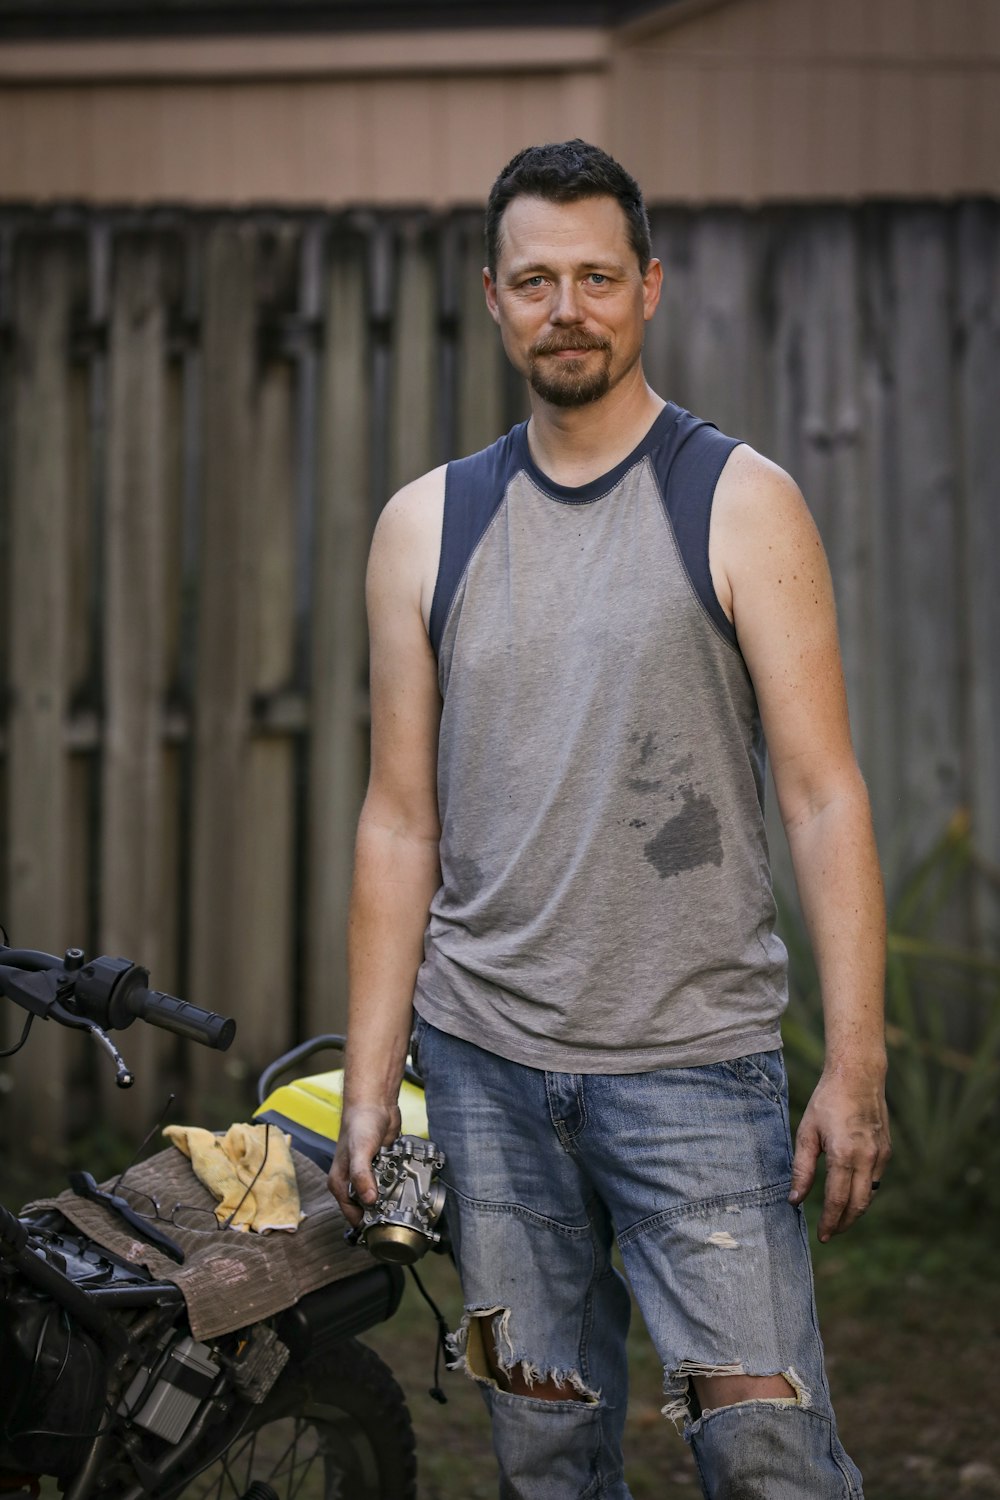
764, 1072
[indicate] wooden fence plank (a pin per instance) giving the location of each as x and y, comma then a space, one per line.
719, 350
266, 977
666, 346
480, 355
925, 643
134, 887
412, 445
40, 877
877, 395
338, 759
978, 282
224, 639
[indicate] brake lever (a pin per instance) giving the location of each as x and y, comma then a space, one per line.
124, 1077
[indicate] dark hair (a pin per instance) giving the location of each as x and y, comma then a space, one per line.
564, 173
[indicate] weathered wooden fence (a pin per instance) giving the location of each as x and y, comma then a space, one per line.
200, 416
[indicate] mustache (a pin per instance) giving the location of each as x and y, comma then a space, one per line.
556, 343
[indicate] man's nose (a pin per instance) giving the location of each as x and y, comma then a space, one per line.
567, 306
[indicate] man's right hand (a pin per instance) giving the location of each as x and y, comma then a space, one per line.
364, 1129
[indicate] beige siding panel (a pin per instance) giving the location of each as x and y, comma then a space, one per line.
947, 108
960, 29
837, 25
10, 143
733, 28
401, 120
473, 157
188, 147
125, 155
987, 24
892, 162
666, 156
904, 30
545, 109
330, 129
733, 105
52, 155
791, 155
263, 117
891, 27
984, 160
751, 87
842, 144
585, 106
783, 28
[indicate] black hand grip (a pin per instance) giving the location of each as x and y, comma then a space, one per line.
186, 1020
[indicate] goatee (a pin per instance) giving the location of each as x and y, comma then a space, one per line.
569, 383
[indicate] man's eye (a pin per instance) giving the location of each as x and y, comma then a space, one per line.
598, 278
534, 281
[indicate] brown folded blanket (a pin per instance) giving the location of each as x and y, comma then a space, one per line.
229, 1280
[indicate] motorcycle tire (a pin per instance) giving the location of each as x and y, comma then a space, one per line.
337, 1429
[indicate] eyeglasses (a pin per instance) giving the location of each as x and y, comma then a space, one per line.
143, 1212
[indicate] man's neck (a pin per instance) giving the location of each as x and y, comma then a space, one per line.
574, 445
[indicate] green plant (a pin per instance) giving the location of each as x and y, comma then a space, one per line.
942, 1027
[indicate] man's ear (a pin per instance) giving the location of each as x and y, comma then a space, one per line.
490, 288
652, 285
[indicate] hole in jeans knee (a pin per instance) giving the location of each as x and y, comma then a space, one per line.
714, 1391
484, 1349
697, 1390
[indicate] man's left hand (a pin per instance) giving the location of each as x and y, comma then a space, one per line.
846, 1119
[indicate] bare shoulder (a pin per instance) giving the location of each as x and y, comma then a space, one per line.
406, 545
752, 487
763, 536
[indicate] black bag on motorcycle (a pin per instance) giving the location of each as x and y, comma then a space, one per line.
53, 1381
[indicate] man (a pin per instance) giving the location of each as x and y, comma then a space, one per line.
579, 639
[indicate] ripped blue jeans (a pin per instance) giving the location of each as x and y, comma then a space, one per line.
688, 1168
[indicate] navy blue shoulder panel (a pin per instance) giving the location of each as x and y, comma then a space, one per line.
473, 492
687, 468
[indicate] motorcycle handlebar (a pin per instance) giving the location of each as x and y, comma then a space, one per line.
111, 993
204, 1026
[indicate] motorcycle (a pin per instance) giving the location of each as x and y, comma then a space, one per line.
117, 1381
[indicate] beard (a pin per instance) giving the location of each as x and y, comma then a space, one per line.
570, 383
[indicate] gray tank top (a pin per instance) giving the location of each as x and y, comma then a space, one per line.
606, 904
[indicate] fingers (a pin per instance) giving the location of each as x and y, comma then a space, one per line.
363, 1131
850, 1187
342, 1184
807, 1149
845, 1120
848, 1195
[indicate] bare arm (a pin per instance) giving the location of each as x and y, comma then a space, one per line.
396, 869
772, 576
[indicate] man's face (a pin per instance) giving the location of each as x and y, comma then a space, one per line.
569, 298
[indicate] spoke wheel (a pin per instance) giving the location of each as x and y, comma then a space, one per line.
336, 1430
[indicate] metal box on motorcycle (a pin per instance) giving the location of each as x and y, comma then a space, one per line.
182, 1383
309, 1109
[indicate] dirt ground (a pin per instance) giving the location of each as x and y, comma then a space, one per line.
911, 1324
